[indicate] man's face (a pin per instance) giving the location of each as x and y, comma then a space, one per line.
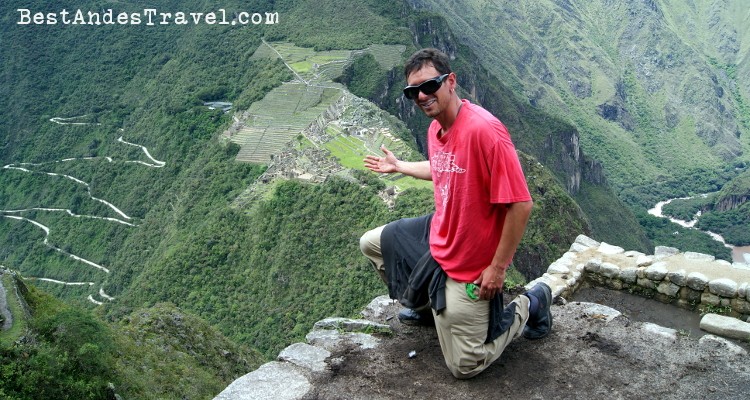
431, 104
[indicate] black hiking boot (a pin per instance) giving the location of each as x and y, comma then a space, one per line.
539, 324
409, 316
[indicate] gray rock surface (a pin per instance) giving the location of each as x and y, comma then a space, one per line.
594, 351
609, 249
609, 270
726, 326
656, 271
690, 255
664, 251
7, 317
273, 380
697, 281
306, 356
586, 241
660, 331
725, 346
724, 287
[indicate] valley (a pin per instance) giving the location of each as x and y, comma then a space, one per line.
189, 201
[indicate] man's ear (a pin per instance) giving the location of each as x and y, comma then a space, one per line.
453, 81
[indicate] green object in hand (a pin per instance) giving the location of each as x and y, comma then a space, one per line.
471, 290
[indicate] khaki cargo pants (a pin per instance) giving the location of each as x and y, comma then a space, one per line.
462, 325
462, 330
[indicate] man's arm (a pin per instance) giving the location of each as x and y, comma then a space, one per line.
493, 277
390, 164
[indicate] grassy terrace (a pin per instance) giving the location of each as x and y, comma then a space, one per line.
350, 150
387, 55
279, 117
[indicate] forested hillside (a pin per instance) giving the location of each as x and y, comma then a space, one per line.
121, 192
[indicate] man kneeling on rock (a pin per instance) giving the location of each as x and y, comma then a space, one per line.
448, 268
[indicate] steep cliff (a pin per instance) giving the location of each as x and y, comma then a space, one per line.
636, 80
734, 194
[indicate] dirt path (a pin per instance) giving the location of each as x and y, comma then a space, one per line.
72, 178
46, 243
154, 162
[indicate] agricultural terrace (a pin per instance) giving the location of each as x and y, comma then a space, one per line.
361, 130
288, 110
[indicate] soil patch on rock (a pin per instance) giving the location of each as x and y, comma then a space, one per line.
641, 309
585, 356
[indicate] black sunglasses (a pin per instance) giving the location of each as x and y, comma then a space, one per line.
429, 86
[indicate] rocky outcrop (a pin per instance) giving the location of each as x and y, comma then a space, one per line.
16, 291
615, 109
734, 193
726, 326
299, 364
573, 162
6, 318
378, 357
731, 202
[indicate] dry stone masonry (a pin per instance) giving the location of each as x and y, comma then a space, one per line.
690, 280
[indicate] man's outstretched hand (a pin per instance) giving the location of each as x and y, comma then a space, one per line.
384, 165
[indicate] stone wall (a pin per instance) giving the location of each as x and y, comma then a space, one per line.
690, 280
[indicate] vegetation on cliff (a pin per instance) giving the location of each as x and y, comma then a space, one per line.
108, 145
68, 352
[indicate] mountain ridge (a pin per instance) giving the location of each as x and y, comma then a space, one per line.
253, 270
571, 74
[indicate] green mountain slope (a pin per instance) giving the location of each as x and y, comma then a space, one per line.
655, 91
648, 85
121, 191
53, 350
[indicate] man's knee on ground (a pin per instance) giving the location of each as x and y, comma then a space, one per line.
464, 371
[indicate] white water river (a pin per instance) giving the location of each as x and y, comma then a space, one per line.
740, 254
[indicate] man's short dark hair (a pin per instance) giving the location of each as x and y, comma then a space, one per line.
425, 57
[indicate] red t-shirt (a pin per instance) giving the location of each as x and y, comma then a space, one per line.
475, 170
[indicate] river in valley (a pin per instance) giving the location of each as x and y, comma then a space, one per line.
740, 254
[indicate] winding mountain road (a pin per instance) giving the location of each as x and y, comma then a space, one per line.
32, 168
